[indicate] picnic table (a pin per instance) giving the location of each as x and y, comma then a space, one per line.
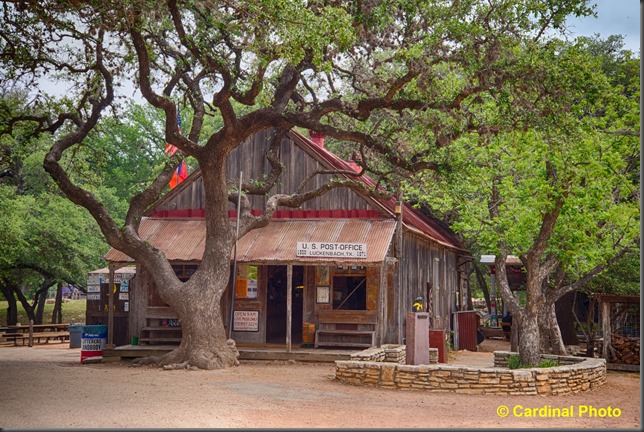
36, 332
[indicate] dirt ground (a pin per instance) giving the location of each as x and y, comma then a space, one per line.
47, 387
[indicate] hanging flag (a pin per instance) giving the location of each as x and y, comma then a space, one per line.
170, 150
180, 174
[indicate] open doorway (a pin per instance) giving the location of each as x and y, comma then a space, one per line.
276, 302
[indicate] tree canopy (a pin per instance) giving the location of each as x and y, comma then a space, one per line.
378, 74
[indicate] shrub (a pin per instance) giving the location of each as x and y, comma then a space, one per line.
546, 363
514, 362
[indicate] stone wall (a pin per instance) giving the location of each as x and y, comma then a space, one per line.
390, 354
582, 374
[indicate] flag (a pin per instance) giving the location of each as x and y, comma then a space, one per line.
170, 150
180, 174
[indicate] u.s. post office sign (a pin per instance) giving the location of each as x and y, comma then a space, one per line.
331, 250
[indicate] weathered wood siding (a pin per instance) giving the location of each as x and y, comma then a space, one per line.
298, 165
422, 263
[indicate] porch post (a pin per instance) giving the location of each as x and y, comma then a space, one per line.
289, 305
110, 309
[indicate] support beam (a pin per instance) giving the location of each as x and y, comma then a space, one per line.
606, 330
110, 309
289, 306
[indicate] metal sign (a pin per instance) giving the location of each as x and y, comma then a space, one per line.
331, 250
246, 321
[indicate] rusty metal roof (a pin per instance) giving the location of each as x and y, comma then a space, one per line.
184, 239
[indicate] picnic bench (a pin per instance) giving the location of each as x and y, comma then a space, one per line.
36, 332
346, 328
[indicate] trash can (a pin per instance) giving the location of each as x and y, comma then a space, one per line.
93, 341
75, 332
308, 334
438, 339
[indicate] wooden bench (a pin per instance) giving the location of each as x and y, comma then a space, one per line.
351, 329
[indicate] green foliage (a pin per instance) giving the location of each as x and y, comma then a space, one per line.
547, 363
623, 277
514, 362
566, 157
71, 310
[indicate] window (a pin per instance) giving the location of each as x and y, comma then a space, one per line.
350, 288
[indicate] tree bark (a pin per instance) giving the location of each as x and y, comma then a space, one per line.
551, 340
196, 302
39, 306
57, 313
563, 308
529, 341
12, 306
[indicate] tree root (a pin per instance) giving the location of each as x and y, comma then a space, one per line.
195, 358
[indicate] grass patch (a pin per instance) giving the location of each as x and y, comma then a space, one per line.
72, 309
514, 362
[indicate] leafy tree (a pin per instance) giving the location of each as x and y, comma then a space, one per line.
328, 66
559, 194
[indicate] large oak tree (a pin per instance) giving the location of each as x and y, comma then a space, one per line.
328, 66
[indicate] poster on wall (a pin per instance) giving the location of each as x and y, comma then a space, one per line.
323, 294
252, 282
246, 283
322, 274
246, 321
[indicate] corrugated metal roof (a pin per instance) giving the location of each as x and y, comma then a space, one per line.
184, 239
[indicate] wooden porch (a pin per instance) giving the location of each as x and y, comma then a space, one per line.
254, 352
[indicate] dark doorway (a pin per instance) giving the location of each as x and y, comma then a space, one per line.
276, 305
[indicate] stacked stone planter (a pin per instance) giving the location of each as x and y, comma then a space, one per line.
389, 354
575, 375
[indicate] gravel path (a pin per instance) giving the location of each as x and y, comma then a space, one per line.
47, 387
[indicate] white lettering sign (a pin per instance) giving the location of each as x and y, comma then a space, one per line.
247, 321
331, 250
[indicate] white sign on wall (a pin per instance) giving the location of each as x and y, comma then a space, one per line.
247, 321
331, 250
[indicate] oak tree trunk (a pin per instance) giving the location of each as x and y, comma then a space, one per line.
529, 340
12, 306
204, 342
57, 313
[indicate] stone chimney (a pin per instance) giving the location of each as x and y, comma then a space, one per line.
317, 138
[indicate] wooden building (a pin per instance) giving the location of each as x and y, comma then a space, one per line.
343, 269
